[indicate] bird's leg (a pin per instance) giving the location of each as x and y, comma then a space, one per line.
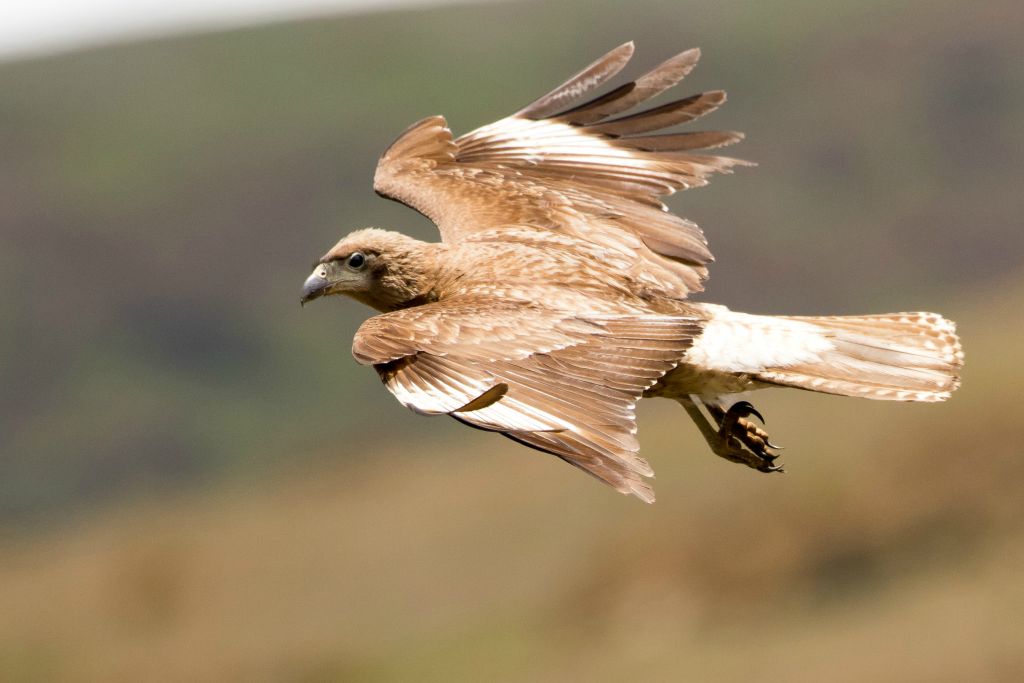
736, 439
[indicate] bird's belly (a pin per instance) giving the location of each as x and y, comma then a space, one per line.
687, 379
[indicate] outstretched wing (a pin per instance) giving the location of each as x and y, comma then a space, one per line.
585, 170
560, 383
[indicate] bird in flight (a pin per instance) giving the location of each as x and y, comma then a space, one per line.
558, 295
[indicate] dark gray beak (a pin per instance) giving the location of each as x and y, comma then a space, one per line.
315, 286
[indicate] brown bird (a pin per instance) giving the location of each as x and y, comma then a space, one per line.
557, 297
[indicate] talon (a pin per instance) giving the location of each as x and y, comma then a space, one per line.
747, 409
771, 468
771, 445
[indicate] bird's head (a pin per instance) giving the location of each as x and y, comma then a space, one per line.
383, 269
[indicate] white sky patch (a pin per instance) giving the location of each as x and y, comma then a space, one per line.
38, 27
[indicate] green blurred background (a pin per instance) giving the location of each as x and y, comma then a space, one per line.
197, 482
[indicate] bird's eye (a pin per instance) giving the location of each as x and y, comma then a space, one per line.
356, 260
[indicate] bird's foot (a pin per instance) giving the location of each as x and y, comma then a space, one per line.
741, 440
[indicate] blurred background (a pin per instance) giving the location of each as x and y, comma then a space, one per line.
197, 482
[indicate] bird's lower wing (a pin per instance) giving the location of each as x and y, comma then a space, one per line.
558, 382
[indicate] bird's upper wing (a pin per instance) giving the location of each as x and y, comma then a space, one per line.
583, 170
561, 383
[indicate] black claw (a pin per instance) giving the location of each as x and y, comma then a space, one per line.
745, 408
769, 444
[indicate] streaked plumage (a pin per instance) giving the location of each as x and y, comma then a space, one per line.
558, 295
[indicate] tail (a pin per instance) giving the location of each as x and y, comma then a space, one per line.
891, 357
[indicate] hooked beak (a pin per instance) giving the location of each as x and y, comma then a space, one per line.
315, 286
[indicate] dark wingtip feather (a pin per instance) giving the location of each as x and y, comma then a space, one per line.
591, 77
680, 111
670, 72
678, 142
625, 97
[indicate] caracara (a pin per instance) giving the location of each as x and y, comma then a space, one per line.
558, 295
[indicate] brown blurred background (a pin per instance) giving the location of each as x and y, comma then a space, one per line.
197, 482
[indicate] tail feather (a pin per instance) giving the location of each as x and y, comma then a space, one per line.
894, 357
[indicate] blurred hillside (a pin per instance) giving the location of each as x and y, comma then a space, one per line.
161, 204
193, 482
